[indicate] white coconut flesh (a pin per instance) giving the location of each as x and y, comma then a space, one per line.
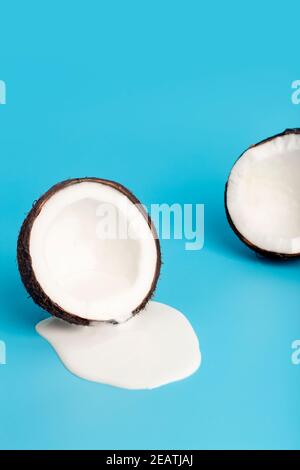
263, 195
82, 257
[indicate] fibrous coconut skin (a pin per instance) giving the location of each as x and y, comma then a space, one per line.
28, 277
258, 250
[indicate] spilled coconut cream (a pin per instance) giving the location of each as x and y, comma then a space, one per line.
154, 348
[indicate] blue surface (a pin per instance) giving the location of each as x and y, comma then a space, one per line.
163, 97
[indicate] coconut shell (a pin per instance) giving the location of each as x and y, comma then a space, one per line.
256, 249
25, 263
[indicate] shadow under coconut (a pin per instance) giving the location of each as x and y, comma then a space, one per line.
277, 261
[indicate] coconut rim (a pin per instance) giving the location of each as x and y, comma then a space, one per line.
24, 259
256, 249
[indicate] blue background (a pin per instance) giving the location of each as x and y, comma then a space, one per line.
162, 96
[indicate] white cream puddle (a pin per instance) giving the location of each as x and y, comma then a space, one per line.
154, 348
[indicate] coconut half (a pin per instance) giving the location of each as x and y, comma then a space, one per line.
262, 196
88, 251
